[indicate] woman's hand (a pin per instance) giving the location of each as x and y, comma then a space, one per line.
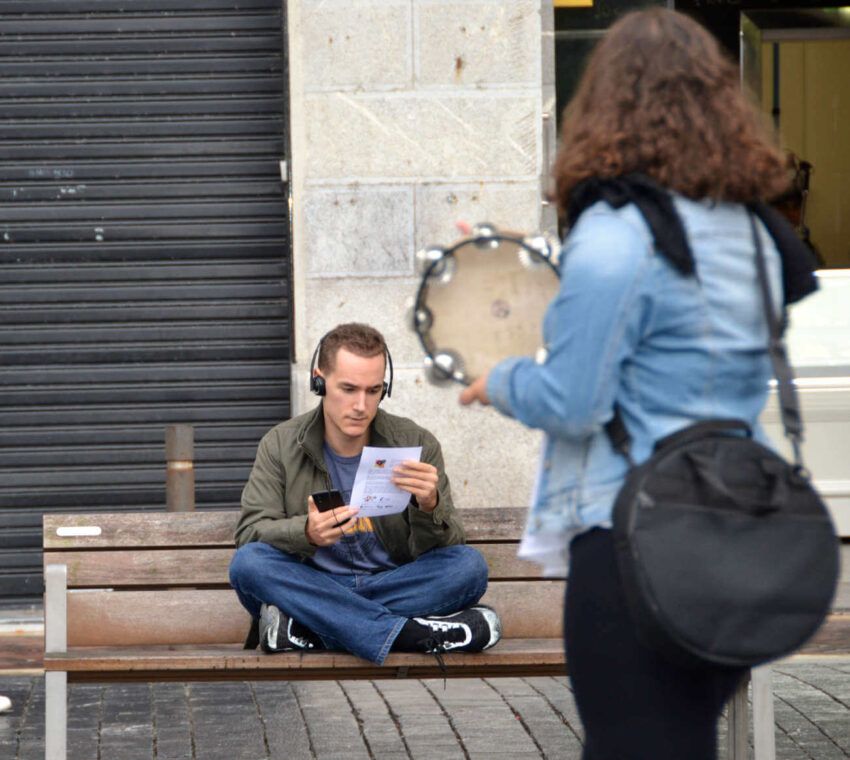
476, 391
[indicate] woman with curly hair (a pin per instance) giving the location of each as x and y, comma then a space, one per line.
658, 314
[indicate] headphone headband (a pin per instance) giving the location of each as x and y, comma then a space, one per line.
318, 385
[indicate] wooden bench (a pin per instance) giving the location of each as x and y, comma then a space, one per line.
145, 596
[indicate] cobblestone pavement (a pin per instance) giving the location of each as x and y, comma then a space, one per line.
514, 718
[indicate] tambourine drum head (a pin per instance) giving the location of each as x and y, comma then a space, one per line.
488, 303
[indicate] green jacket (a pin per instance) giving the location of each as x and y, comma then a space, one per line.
290, 465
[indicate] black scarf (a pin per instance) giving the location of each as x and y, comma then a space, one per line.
668, 232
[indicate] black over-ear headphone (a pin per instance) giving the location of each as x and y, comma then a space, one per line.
317, 383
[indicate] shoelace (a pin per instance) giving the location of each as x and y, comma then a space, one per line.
438, 625
436, 648
303, 637
444, 634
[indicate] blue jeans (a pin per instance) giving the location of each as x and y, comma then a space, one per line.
360, 613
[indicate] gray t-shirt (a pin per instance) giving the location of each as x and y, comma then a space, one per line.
360, 551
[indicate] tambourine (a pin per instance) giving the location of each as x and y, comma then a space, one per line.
482, 299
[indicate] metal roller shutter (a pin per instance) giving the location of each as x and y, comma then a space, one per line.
144, 254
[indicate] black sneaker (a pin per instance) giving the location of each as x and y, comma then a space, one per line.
280, 633
471, 630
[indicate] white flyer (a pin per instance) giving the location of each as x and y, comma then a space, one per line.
373, 490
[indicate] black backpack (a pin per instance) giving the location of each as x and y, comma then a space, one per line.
726, 553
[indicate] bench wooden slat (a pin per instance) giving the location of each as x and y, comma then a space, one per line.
494, 523
180, 616
543, 656
193, 567
210, 616
144, 567
142, 529
833, 636
207, 528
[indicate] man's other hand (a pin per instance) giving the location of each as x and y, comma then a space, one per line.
419, 479
326, 528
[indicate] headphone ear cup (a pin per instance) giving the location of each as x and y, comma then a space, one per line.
317, 385
384, 390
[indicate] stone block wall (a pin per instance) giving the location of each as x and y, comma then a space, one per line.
408, 115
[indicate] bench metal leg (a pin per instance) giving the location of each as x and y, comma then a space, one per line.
56, 716
55, 642
764, 737
737, 721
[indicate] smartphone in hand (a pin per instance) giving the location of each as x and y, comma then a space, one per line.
325, 500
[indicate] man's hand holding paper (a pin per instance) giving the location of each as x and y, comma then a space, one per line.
387, 478
420, 480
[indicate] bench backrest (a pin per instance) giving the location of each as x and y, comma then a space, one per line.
161, 577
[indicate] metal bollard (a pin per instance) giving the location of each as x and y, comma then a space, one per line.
180, 468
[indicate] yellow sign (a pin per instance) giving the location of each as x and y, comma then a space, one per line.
573, 3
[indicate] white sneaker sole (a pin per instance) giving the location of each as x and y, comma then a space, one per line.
494, 623
270, 625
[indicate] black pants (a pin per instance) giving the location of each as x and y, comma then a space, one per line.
634, 705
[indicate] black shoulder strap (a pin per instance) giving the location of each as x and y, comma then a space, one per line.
789, 406
792, 421
619, 436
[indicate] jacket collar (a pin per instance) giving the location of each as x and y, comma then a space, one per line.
311, 435
671, 239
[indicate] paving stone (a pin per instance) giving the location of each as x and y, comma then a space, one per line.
379, 728
172, 728
551, 735
471, 719
427, 731
31, 727
558, 696
173, 744
125, 723
811, 707
84, 707
286, 730
331, 726
240, 736
466, 702
31, 750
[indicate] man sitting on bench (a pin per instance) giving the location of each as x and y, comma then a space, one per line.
331, 580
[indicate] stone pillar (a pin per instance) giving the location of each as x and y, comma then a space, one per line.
408, 115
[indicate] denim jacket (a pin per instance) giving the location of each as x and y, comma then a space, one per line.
626, 327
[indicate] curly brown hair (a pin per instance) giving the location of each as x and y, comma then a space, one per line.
659, 97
